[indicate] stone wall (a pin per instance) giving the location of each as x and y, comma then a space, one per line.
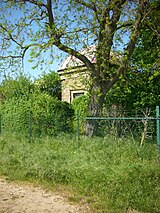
74, 83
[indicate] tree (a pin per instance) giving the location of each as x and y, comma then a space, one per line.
136, 92
20, 86
146, 56
71, 25
50, 83
139, 87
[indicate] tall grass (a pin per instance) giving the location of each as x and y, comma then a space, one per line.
112, 175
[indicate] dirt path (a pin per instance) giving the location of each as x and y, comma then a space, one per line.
17, 198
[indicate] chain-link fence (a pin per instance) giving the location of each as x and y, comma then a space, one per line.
142, 129
31, 125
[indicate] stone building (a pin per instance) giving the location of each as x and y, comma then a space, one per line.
74, 75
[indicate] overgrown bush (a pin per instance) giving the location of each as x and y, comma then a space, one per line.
81, 104
46, 115
49, 83
20, 86
51, 115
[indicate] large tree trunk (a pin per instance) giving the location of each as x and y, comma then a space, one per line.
95, 107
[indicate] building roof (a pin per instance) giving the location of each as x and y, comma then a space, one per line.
90, 53
72, 61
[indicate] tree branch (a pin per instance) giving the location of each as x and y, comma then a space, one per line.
86, 4
91, 7
10, 56
76, 54
131, 45
38, 3
55, 39
108, 27
126, 24
10, 35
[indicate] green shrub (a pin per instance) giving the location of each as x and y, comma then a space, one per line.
46, 114
20, 86
15, 115
49, 83
81, 104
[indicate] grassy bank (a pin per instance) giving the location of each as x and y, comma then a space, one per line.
112, 175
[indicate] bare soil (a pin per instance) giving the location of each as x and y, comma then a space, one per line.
20, 198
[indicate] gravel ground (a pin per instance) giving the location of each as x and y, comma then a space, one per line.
20, 198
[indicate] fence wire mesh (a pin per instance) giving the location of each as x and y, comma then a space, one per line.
33, 125
143, 127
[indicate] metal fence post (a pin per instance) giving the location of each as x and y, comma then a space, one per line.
158, 126
0, 123
78, 127
30, 126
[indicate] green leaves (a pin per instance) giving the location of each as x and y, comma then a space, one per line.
49, 83
20, 96
19, 87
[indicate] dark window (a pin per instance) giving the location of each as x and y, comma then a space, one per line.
75, 95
